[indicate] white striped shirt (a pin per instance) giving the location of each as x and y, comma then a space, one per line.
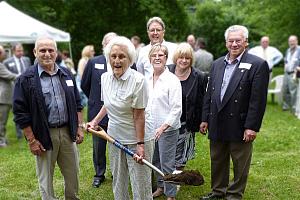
120, 96
165, 102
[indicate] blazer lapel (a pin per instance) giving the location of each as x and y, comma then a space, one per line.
219, 79
234, 82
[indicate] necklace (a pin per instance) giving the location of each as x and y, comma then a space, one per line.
182, 74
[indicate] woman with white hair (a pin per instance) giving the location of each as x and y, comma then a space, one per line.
124, 93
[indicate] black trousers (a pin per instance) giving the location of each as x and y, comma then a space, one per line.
99, 155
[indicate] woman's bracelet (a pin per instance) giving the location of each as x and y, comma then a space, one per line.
141, 142
30, 142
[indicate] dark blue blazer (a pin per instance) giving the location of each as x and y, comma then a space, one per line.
91, 86
29, 105
244, 101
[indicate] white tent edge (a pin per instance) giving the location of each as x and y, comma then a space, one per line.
31, 33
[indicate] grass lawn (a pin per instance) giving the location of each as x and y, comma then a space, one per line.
274, 173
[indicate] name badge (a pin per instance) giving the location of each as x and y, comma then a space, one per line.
245, 65
99, 66
69, 83
11, 64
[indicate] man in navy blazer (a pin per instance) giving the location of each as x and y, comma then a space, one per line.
91, 86
233, 110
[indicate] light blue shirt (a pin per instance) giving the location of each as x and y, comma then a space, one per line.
54, 96
229, 69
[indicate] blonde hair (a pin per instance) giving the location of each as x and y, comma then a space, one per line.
158, 47
87, 51
184, 50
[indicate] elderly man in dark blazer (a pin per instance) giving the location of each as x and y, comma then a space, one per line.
17, 64
233, 110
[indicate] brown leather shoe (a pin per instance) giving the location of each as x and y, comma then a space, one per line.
159, 191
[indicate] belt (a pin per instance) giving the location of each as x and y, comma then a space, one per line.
58, 126
289, 73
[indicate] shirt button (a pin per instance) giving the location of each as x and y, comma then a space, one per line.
235, 101
231, 114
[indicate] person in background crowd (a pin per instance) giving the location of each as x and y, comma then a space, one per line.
193, 84
124, 93
233, 109
136, 41
68, 61
289, 86
91, 86
17, 64
270, 54
87, 53
192, 41
46, 105
6, 87
156, 33
163, 117
203, 58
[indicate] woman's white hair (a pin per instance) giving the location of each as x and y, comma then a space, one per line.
121, 41
235, 28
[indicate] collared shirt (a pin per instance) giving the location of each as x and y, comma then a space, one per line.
19, 64
120, 97
143, 64
229, 69
270, 54
54, 96
165, 102
292, 60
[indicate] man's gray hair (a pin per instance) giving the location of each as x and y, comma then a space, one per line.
43, 37
155, 19
107, 37
121, 41
235, 28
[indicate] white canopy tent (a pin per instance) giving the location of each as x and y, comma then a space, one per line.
16, 26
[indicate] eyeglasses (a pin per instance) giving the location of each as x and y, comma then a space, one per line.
236, 41
155, 30
157, 55
45, 50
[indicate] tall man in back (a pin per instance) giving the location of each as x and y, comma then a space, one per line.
17, 64
46, 105
233, 110
156, 32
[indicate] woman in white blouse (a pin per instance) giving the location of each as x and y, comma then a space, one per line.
163, 117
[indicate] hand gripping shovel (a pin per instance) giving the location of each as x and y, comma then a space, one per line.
191, 177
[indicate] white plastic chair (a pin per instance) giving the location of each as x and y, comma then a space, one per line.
278, 88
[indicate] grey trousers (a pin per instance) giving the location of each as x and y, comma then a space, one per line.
124, 167
220, 153
289, 92
164, 159
4, 111
65, 154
